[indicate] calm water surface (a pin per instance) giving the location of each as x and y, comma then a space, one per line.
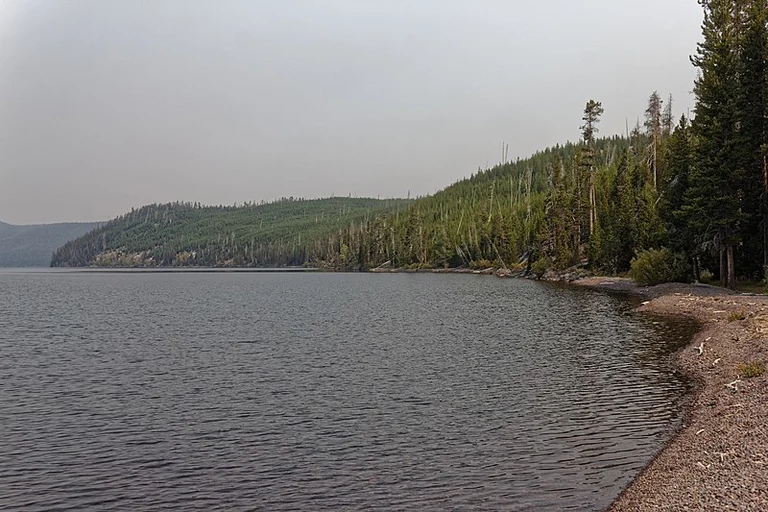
324, 392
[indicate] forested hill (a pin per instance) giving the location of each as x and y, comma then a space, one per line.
676, 196
32, 245
539, 208
669, 200
285, 232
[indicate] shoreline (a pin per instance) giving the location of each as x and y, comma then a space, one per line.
718, 458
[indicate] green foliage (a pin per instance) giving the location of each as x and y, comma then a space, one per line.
655, 266
286, 232
540, 266
752, 369
592, 112
538, 206
480, 265
722, 205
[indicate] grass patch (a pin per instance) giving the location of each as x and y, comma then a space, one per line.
751, 370
734, 316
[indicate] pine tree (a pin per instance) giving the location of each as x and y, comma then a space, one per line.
680, 237
713, 201
667, 119
753, 132
653, 127
592, 112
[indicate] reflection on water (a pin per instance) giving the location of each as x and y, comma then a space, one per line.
325, 391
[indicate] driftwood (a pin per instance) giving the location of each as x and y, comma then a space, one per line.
386, 264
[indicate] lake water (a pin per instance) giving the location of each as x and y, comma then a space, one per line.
190, 391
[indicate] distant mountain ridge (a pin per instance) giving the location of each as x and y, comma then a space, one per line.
32, 245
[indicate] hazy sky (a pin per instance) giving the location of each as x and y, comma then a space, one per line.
107, 105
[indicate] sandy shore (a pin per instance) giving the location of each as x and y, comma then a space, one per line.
719, 459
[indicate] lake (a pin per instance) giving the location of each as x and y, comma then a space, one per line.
321, 391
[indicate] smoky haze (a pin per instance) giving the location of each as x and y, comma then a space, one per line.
106, 106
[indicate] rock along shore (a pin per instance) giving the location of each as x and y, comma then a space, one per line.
719, 458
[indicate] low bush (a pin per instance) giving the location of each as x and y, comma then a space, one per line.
540, 266
480, 264
736, 315
753, 369
656, 266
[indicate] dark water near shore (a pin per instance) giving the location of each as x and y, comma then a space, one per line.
324, 392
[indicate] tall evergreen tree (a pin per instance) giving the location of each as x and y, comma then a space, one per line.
667, 118
713, 202
592, 112
753, 132
653, 127
677, 223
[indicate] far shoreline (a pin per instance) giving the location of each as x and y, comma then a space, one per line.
160, 270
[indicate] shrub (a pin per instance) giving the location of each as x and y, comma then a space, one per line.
656, 266
736, 315
753, 369
480, 264
540, 266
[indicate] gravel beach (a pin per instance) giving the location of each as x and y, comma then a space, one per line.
719, 459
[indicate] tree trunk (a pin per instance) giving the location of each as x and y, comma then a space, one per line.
655, 183
592, 216
765, 218
731, 269
696, 269
723, 267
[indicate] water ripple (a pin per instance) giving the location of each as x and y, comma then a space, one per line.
324, 392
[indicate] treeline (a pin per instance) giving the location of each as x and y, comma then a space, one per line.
697, 187
560, 206
283, 233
